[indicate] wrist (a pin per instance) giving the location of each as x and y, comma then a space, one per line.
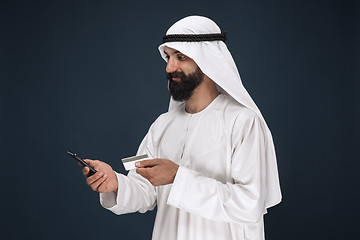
175, 172
115, 190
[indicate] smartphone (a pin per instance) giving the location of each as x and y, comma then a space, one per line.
92, 170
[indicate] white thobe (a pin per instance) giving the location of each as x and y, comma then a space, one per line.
218, 191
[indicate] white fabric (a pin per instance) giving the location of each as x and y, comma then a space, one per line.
220, 188
215, 60
228, 173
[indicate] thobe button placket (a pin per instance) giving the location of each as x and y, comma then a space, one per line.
187, 123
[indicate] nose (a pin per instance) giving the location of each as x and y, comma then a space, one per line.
171, 66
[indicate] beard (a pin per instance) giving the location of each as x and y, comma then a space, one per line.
184, 89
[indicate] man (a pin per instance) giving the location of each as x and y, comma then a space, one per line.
213, 170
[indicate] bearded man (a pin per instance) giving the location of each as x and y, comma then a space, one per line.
213, 171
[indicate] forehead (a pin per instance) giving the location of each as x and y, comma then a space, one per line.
188, 61
170, 51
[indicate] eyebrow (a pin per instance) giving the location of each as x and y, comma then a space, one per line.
175, 52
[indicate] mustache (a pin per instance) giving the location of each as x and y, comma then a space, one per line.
180, 75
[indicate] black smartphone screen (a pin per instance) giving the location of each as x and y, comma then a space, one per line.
92, 170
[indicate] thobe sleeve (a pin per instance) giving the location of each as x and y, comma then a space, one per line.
240, 200
135, 193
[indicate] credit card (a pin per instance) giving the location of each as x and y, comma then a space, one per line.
129, 162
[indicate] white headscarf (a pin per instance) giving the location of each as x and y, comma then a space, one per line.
215, 60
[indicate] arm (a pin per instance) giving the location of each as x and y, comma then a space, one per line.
119, 193
239, 201
134, 192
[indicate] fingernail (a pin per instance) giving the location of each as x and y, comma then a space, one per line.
100, 174
137, 164
105, 176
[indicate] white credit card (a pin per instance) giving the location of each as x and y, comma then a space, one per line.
129, 162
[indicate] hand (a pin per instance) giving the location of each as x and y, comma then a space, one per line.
157, 171
104, 180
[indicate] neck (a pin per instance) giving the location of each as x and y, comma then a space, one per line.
203, 95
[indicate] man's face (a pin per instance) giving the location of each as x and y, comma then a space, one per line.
183, 74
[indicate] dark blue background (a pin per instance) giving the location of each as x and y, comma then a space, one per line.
86, 76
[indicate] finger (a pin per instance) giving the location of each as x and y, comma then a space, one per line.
147, 163
80, 164
145, 172
92, 163
104, 186
86, 172
94, 186
93, 178
141, 171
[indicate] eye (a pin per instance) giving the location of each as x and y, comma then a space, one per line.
181, 57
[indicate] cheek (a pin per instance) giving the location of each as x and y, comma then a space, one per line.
189, 68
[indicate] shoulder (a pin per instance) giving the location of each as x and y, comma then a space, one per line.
238, 118
163, 118
233, 111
